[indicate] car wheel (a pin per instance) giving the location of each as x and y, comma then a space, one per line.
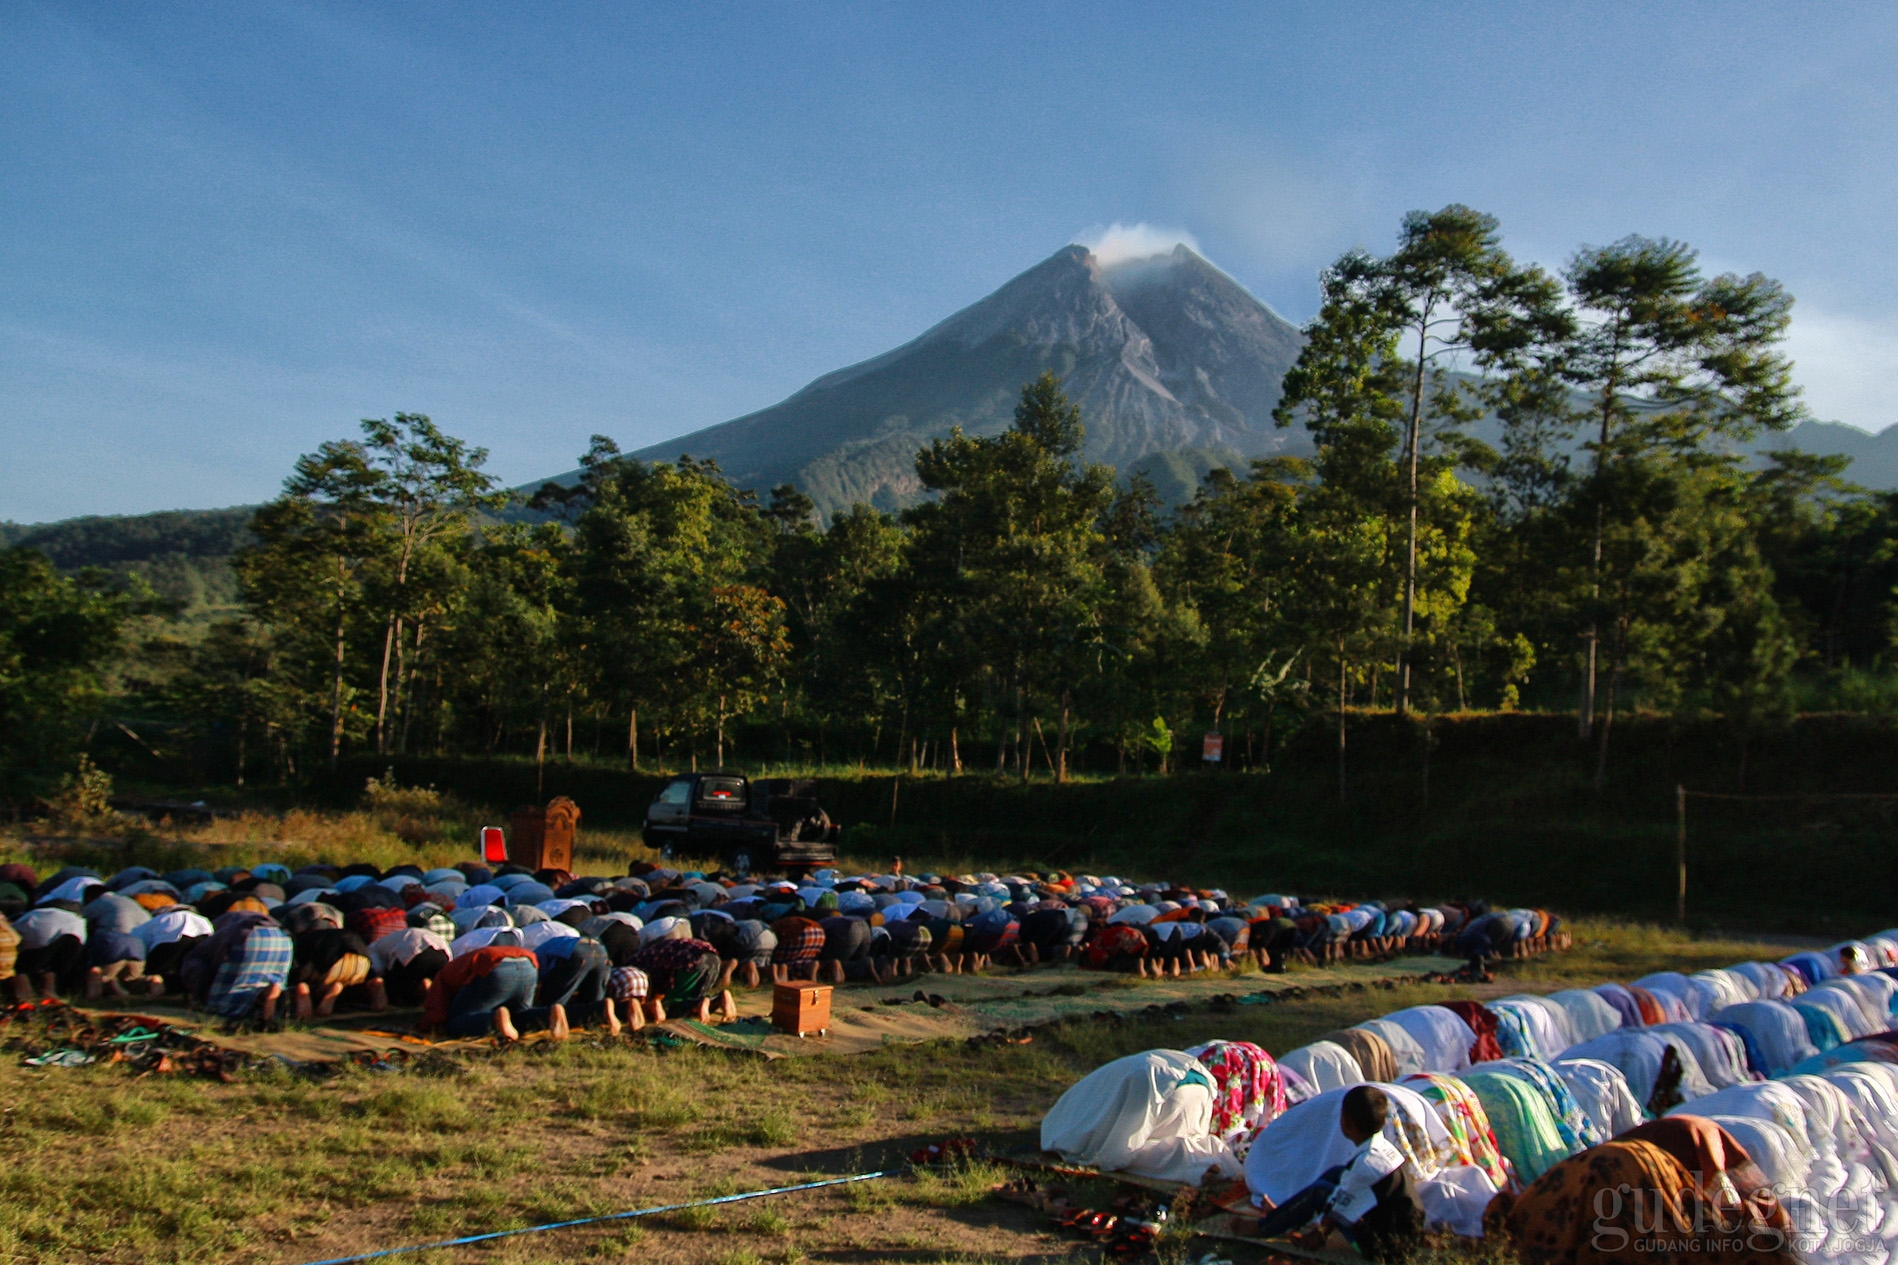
741, 862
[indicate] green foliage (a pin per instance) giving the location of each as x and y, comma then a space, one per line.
84, 797
58, 634
1035, 614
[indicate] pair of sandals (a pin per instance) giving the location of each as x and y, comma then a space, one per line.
1120, 1236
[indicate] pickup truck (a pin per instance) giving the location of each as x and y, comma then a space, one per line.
750, 826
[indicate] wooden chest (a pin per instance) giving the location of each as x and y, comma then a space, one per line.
801, 1008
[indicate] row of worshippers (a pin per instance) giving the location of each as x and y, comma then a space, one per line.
1757, 1105
266, 940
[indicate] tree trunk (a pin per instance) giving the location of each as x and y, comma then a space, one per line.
243, 731
540, 754
1412, 434
1342, 798
632, 738
1046, 757
382, 687
1608, 716
1061, 761
719, 741
570, 727
1593, 635
336, 695
955, 753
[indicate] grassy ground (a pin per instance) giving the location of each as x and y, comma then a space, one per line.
98, 1166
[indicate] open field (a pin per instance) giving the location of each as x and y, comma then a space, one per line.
278, 1167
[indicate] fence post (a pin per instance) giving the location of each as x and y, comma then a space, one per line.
1680, 852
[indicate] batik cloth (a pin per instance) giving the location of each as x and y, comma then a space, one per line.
1576, 1129
1522, 1120
683, 972
1462, 1114
1248, 1091
1595, 1208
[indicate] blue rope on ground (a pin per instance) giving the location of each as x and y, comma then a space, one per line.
612, 1216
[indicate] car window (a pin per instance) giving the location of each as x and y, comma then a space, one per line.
676, 792
722, 790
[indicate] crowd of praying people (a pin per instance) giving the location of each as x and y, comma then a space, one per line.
508, 950
1745, 1113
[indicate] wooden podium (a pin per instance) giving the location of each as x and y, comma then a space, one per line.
544, 838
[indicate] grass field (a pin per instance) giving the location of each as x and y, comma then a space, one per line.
98, 1166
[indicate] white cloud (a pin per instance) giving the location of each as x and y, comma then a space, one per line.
1118, 242
1848, 366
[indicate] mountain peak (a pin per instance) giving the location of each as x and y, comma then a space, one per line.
1163, 352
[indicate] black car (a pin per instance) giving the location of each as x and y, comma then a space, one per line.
768, 825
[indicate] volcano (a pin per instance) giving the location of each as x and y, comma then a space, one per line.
1175, 366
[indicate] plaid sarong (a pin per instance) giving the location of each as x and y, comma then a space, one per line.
799, 940
262, 959
627, 983
373, 924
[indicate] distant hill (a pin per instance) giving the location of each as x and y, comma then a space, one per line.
1874, 454
183, 554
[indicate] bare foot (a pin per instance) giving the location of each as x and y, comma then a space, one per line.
49, 984
504, 1025
272, 995
557, 1023
635, 1016
326, 1005
95, 984
751, 975
22, 988
725, 977
378, 994
658, 1009
836, 971
118, 989
705, 1010
727, 1006
300, 1002
154, 986
612, 1019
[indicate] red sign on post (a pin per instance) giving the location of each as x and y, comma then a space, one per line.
493, 845
1212, 748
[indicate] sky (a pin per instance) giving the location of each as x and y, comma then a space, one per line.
229, 231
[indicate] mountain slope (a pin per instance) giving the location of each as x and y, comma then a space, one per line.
1162, 354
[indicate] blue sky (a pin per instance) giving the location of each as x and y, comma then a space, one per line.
229, 231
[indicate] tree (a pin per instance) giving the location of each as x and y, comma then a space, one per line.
425, 485
654, 544
1013, 547
58, 635
1452, 289
305, 570
1670, 361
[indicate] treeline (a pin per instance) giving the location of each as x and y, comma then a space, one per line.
1038, 614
